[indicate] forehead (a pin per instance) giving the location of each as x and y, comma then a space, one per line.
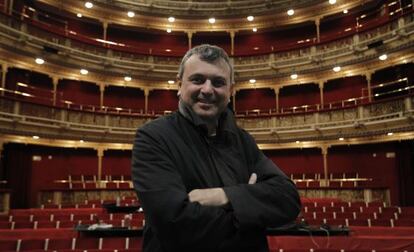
194, 65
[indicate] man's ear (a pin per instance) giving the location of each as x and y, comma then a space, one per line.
178, 80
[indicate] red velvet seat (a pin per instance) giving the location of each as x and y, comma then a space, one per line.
88, 243
10, 245
60, 244
26, 245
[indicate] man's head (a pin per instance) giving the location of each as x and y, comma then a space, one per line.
205, 80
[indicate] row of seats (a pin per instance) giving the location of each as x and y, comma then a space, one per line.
93, 178
75, 244
76, 185
318, 176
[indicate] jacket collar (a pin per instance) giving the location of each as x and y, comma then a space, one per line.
226, 121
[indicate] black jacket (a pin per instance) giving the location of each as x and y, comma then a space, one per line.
173, 155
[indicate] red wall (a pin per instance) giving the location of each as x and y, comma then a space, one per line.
261, 98
79, 92
369, 161
336, 90
116, 162
298, 95
297, 161
124, 97
160, 100
221, 39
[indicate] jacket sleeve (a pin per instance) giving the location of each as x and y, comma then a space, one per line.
273, 201
176, 222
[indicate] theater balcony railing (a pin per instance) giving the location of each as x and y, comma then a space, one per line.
344, 48
24, 115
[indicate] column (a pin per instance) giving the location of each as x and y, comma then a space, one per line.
4, 69
10, 7
368, 76
100, 153
232, 35
101, 98
321, 85
105, 28
189, 36
317, 23
325, 165
146, 94
55, 82
277, 91
234, 99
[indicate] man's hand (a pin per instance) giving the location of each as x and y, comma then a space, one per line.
214, 196
209, 196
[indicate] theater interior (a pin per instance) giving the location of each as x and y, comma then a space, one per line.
323, 86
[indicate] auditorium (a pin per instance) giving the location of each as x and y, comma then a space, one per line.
322, 86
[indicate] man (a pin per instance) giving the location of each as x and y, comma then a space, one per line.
202, 181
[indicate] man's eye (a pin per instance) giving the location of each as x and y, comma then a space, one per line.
219, 83
197, 80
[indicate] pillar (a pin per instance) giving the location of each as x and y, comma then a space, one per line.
232, 35
368, 76
317, 24
321, 85
325, 165
105, 29
190, 37
55, 81
146, 94
100, 153
277, 91
10, 7
101, 98
4, 69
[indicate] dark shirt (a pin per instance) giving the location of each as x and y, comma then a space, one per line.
173, 155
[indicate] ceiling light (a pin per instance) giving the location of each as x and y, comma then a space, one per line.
297, 142
383, 57
254, 29
36, 137
404, 61
171, 19
332, 1
79, 15
84, 71
127, 78
293, 76
212, 20
250, 18
168, 50
345, 11
390, 134
252, 81
81, 141
39, 61
169, 30
337, 69
341, 139
171, 82
290, 12
131, 14
88, 5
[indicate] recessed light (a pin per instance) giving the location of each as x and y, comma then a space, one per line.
390, 134
337, 69
332, 1
127, 78
169, 30
341, 139
293, 76
252, 81
88, 5
39, 61
171, 82
171, 19
250, 18
79, 15
254, 29
131, 14
345, 11
290, 12
383, 57
212, 20
36, 137
84, 71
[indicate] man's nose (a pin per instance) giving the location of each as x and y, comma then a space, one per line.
207, 87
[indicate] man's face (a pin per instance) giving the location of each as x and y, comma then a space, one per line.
205, 87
